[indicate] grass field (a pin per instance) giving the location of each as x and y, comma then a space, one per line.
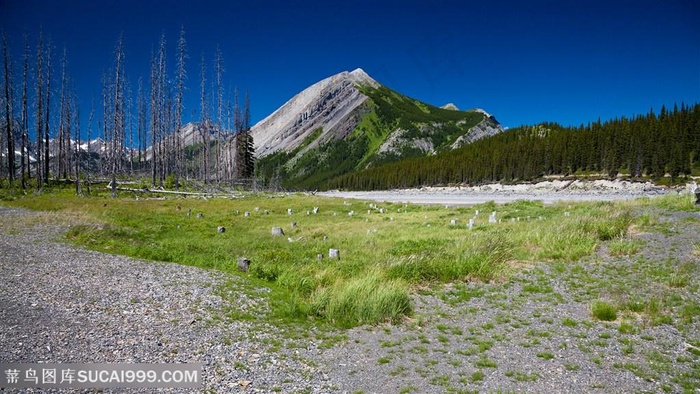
387, 251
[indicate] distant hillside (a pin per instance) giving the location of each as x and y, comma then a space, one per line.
350, 122
652, 145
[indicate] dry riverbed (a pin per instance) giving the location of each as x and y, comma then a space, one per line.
548, 192
532, 333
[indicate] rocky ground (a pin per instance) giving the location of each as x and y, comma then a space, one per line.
547, 192
533, 333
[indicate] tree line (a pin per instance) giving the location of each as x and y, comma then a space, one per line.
139, 134
654, 145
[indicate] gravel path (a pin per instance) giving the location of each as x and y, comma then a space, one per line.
60, 303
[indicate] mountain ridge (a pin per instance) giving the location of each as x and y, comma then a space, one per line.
349, 121
298, 117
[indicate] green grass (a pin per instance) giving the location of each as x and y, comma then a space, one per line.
520, 376
603, 310
545, 355
624, 247
675, 202
477, 376
382, 261
627, 327
484, 362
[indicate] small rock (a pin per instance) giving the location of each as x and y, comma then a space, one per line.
243, 264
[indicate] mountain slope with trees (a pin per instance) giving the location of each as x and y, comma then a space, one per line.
370, 125
652, 145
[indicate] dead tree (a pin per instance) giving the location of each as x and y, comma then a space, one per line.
218, 75
118, 120
8, 113
47, 121
64, 122
76, 154
25, 118
154, 120
39, 108
204, 125
181, 76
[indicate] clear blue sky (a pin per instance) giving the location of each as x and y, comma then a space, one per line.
523, 61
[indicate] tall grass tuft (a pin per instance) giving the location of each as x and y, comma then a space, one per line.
483, 259
676, 202
366, 299
608, 224
602, 310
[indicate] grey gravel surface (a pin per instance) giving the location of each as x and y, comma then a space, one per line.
533, 333
63, 304
548, 192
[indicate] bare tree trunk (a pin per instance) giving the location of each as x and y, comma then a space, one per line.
219, 70
25, 116
204, 127
162, 102
39, 108
8, 114
154, 120
118, 127
181, 75
62, 123
89, 135
141, 122
67, 135
47, 156
76, 152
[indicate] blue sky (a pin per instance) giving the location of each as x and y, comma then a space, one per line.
523, 61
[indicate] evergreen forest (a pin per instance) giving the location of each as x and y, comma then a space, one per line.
663, 146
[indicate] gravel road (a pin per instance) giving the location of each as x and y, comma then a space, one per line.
61, 303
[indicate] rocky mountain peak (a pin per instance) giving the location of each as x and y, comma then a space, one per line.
450, 106
326, 104
359, 76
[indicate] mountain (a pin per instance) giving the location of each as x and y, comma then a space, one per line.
328, 104
663, 147
350, 122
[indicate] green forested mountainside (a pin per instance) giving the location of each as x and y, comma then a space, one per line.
652, 145
385, 112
